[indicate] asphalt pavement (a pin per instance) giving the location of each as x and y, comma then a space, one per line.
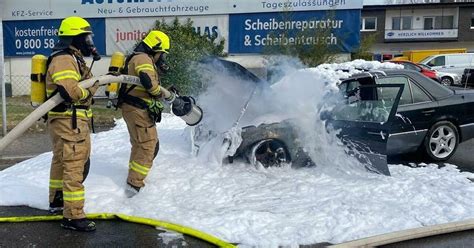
109, 233
463, 158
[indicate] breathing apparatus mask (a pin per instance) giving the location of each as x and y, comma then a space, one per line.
160, 62
85, 44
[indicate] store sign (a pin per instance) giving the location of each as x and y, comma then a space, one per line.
57, 9
26, 38
255, 33
122, 34
401, 2
421, 34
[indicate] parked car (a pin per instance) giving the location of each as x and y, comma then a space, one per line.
425, 70
446, 78
422, 116
453, 63
468, 78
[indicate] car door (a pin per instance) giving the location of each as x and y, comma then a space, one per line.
438, 63
414, 115
364, 121
456, 63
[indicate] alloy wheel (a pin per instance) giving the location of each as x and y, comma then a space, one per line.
442, 142
446, 81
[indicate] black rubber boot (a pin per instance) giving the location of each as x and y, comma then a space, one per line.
58, 204
131, 190
82, 225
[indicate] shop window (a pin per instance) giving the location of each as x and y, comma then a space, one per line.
401, 23
369, 24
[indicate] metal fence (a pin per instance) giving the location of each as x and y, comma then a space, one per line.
19, 85
18, 104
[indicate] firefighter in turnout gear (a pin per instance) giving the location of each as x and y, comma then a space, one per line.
68, 123
141, 105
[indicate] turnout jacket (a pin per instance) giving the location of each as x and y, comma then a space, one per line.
65, 71
142, 63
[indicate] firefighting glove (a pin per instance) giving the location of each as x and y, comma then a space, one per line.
155, 106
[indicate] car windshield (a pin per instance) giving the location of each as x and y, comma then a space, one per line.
426, 60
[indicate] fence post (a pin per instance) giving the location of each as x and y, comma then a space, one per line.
2, 79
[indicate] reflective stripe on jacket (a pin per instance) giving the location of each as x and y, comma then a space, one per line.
142, 62
66, 70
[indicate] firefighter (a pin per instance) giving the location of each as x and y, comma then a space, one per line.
141, 105
68, 123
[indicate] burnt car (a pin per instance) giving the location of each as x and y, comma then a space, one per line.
363, 125
421, 115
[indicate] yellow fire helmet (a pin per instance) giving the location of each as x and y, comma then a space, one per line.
74, 25
157, 41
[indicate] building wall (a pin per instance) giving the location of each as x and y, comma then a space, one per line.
462, 22
418, 14
380, 15
466, 33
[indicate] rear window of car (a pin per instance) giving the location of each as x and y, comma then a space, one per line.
418, 94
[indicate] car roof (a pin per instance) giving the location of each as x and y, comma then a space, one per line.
437, 90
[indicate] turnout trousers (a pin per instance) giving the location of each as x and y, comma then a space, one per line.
144, 140
70, 163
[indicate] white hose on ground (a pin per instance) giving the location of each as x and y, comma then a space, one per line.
410, 234
39, 112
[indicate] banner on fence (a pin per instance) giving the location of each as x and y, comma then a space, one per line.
253, 33
123, 33
27, 38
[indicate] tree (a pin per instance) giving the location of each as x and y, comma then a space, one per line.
310, 45
366, 43
187, 47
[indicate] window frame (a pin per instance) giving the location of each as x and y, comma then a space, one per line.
363, 29
401, 22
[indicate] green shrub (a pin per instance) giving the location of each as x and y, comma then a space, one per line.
186, 47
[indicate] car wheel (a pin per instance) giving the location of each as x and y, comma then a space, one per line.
447, 81
441, 141
268, 153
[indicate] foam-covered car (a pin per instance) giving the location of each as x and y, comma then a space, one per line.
427, 117
363, 125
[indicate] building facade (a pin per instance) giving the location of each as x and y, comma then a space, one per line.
399, 28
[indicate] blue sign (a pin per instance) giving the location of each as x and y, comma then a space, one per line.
27, 38
252, 33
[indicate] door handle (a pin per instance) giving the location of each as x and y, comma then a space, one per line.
427, 112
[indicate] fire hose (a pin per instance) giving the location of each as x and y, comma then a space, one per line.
190, 113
